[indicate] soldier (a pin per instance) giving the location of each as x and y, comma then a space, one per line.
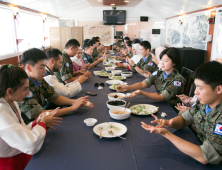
205, 116
66, 75
54, 63
96, 54
34, 62
168, 82
145, 48
87, 56
116, 43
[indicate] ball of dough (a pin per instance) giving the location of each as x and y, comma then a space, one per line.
88, 103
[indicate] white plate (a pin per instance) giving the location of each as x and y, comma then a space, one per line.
105, 133
104, 75
96, 73
112, 77
110, 82
111, 87
147, 106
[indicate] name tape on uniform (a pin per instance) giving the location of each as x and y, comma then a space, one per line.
177, 83
154, 73
218, 129
150, 64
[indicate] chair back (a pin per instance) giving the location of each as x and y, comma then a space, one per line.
187, 75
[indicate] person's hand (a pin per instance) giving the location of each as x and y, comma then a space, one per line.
181, 108
135, 93
146, 74
90, 106
185, 99
118, 65
162, 122
121, 88
87, 74
116, 57
151, 129
124, 52
50, 120
82, 79
131, 62
82, 71
85, 66
79, 102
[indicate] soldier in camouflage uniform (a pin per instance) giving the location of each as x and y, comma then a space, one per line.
205, 116
96, 54
168, 83
116, 43
33, 104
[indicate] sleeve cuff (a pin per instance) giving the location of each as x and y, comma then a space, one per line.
166, 95
210, 154
66, 76
53, 98
187, 117
33, 123
148, 81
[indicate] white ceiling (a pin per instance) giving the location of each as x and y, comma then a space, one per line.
151, 8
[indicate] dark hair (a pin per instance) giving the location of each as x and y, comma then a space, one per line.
129, 43
53, 53
173, 54
85, 41
32, 56
153, 51
127, 38
88, 45
11, 78
91, 42
72, 43
209, 73
135, 41
146, 45
96, 39
116, 37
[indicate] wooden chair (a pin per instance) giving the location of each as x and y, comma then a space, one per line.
187, 75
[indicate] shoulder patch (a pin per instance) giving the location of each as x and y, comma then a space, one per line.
67, 64
177, 83
84, 58
218, 129
154, 73
150, 64
30, 94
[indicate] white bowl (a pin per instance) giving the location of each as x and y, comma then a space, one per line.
126, 75
116, 72
90, 121
119, 116
111, 106
96, 73
109, 68
112, 94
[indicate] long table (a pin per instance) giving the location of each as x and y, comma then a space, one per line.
73, 145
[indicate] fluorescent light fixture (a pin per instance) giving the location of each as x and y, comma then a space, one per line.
126, 1
113, 4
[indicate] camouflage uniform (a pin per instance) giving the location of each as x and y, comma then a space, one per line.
66, 71
87, 59
96, 53
148, 65
208, 130
130, 54
33, 104
118, 44
169, 87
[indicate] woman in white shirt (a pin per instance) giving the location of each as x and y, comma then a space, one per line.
18, 141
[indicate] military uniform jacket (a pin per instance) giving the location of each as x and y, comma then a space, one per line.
130, 54
96, 53
170, 87
118, 44
66, 71
148, 65
208, 128
87, 59
33, 104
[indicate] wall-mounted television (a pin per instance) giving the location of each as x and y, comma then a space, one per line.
114, 17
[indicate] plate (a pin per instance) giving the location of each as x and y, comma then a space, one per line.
147, 106
111, 87
117, 78
105, 129
105, 75
110, 82
96, 73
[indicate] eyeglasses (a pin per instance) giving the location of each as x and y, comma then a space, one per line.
99, 84
79, 53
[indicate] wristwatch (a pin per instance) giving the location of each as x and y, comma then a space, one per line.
134, 65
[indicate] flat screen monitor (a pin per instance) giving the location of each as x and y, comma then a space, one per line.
114, 17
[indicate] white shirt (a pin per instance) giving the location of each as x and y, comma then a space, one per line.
69, 90
16, 138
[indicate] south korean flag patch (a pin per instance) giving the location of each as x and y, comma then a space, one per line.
218, 129
150, 64
177, 83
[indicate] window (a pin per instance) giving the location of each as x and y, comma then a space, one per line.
7, 33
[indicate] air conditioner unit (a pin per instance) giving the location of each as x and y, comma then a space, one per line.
157, 38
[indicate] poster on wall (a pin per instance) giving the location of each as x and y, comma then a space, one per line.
173, 35
219, 37
195, 28
93, 29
